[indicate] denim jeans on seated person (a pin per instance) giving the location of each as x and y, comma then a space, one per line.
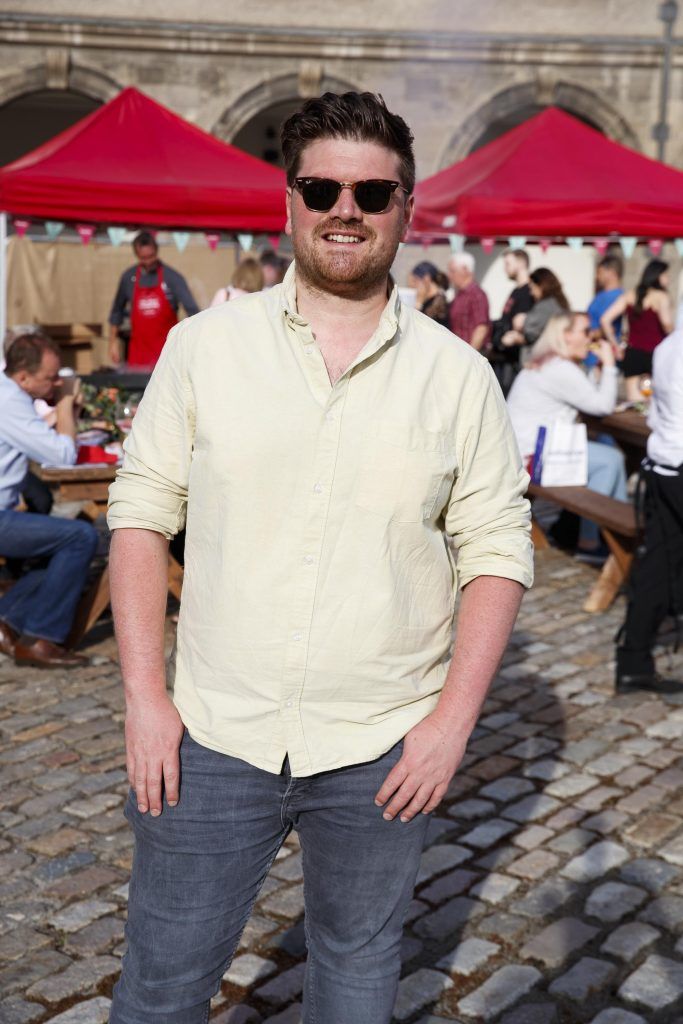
606, 475
42, 603
199, 866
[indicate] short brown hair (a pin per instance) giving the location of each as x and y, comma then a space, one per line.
248, 275
362, 116
25, 352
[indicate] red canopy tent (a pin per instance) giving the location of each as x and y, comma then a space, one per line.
134, 162
552, 176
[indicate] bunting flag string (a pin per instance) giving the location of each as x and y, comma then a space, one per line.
212, 238
628, 245
180, 238
53, 228
21, 225
116, 235
457, 243
85, 232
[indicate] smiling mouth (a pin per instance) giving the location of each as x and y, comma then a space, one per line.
344, 239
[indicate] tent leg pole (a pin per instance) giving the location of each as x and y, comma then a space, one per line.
3, 278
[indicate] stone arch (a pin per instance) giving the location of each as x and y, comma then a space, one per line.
309, 81
57, 72
533, 96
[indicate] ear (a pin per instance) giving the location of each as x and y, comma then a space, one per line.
408, 214
288, 204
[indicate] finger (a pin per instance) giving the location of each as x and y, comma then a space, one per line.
400, 799
417, 803
394, 779
434, 800
171, 780
140, 787
130, 770
154, 775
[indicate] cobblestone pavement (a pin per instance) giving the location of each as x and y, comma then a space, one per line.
551, 888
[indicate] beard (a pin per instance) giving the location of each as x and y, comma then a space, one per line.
353, 274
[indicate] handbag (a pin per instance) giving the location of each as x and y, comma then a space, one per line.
561, 455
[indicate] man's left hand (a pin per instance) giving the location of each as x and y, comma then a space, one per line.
431, 755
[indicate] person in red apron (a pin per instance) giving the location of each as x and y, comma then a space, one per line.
152, 292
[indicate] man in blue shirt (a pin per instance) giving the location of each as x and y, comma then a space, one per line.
37, 612
609, 273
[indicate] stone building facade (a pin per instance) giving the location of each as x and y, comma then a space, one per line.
460, 71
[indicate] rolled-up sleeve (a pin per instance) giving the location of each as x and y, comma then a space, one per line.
150, 489
488, 516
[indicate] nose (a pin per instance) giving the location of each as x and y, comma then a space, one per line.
346, 207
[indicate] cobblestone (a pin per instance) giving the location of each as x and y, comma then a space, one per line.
564, 817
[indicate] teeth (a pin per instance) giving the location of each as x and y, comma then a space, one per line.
344, 238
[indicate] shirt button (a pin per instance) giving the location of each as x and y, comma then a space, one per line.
297, 636
329, 417
318, 488
308, 349
288, 704
308, 559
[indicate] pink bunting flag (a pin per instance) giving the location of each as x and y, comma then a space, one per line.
487, 245
212, 238
655, 245
85, 232
21, 226
274, 242
601, 244
544, 244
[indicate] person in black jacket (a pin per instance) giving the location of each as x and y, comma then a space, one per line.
505, 359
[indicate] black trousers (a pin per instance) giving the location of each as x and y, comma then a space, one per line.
656, 586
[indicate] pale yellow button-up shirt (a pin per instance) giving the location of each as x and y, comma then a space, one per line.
319, 588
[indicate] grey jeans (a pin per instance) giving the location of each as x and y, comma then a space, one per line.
199, 866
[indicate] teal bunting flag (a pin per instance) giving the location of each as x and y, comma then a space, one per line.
517, 241
246, 242
457, 243
628, 246
575, 243
116, 235
53, 228
181, 238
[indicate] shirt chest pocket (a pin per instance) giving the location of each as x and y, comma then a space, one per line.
405, 472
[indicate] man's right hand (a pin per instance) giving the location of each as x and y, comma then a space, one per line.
154, 730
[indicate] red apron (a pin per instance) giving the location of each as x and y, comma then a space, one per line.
151, 318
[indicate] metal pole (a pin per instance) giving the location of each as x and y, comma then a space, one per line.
3, 277
668, 12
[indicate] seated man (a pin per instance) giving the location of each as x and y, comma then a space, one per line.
36, 614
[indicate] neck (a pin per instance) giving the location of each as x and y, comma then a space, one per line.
321, 307
522, 278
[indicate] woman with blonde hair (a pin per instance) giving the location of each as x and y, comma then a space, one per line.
247, 277
554, 387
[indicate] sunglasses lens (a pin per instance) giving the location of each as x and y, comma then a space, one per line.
373, 196
320, 195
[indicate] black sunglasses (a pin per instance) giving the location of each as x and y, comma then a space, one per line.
372, 195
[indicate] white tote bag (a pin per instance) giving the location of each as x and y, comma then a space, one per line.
561, 455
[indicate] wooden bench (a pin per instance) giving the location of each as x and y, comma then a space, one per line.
617, 521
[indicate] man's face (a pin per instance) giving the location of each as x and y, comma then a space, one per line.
345, 251
510, 265
458, 275
147, 256
45, 382
602, 277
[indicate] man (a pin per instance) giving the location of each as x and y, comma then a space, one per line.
312, 686
608, 277
152, 292
469, 312
37, 612
506, 335
656, 584
273, 267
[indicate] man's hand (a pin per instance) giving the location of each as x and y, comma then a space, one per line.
418, 782
154, 730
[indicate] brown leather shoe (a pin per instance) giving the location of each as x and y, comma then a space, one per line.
44, 654
8, 639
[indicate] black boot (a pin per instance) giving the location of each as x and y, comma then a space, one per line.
652, 682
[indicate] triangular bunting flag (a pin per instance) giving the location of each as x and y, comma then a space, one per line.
116, 235
85, 232
274, 242
655, 245
53, 228
601, 244
487, 244
678, 243
212, 238
21, 226
575, 242
544, 243
246, 242
181, 238
457, 242
628, 246
517, 241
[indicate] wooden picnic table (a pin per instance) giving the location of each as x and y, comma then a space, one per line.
90, 483
628, 428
